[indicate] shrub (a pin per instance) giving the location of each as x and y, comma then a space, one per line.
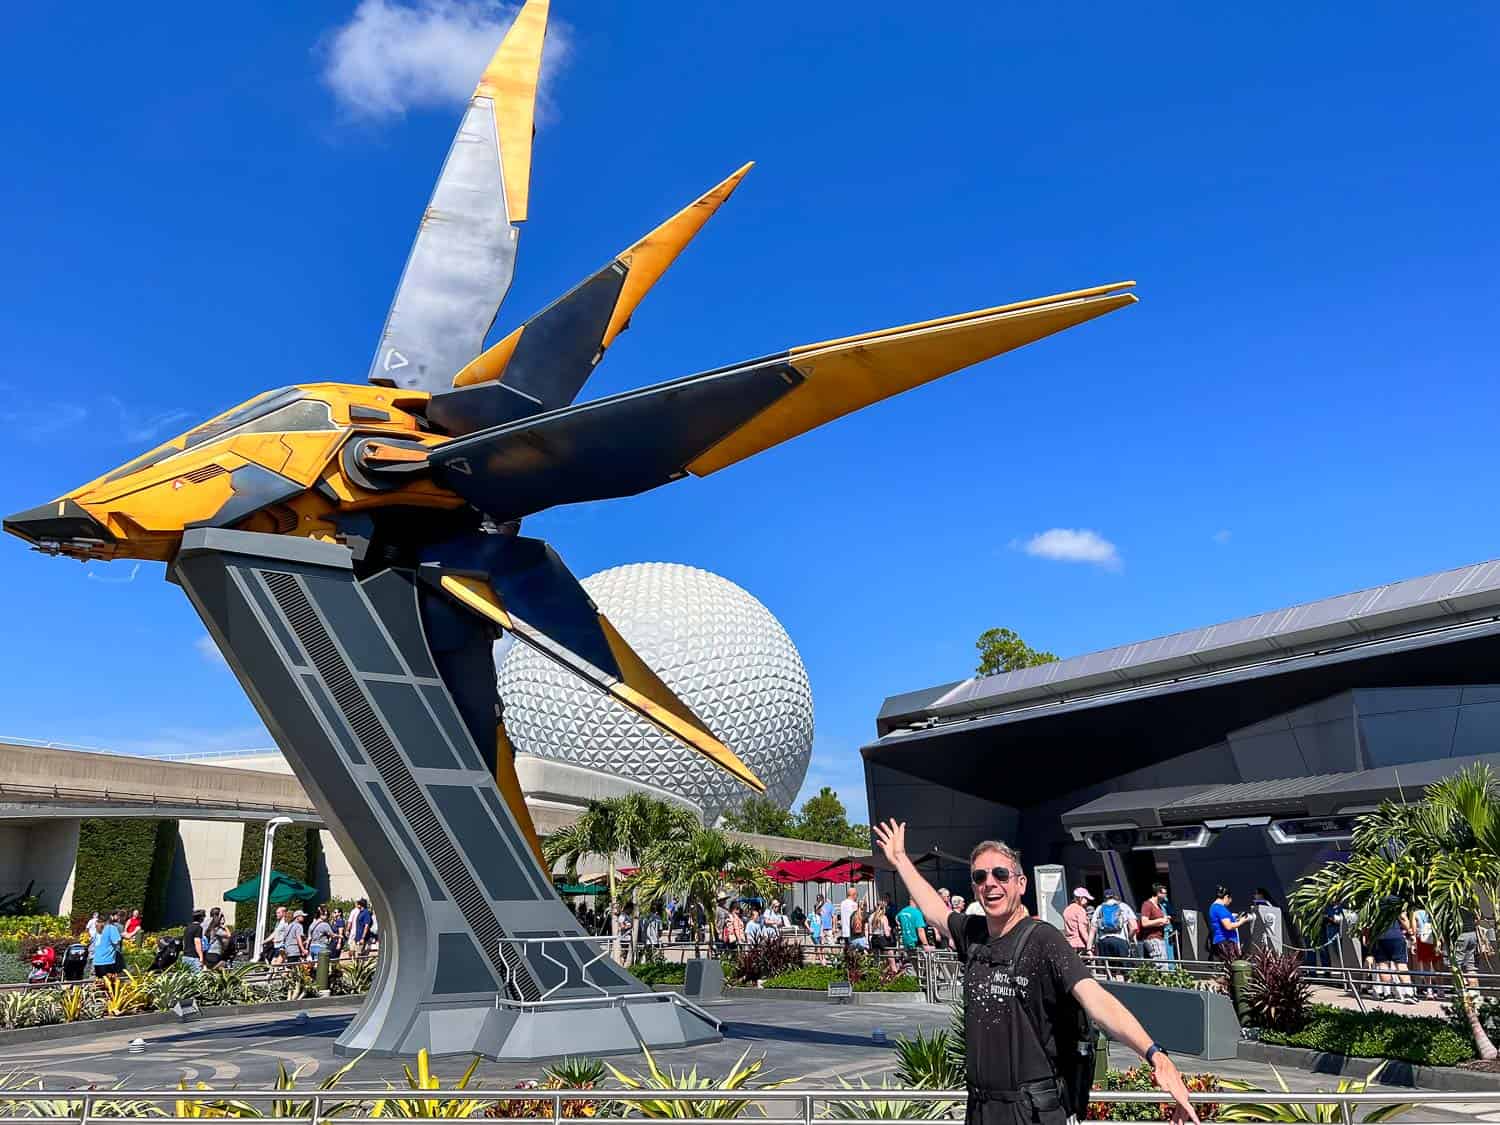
819, 977
123, 864
1175, 977
659, 972
1276, 995
1425, 1040
926, 1062
353, 977
764, 959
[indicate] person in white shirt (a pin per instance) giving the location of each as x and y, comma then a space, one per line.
846, 912
773, 920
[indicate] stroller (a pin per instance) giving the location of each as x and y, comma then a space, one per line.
43, 966
74, 961
168, 951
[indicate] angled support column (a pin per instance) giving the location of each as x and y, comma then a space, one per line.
341, 670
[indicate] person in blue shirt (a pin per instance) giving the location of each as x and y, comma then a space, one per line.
825, 918
362, 918
108, 959
1222, 924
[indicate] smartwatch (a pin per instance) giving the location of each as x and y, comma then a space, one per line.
1154, 1050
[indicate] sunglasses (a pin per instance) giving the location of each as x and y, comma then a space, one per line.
1001, 875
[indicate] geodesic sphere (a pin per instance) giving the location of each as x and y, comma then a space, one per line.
710, 642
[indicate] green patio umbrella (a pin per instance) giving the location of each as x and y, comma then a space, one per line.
284, 888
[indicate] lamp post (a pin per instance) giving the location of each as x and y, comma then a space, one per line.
263, 905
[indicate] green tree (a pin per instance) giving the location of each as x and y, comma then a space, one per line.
693, 869
760, 815
824, 819
1441, 853
1003, 650
616, 828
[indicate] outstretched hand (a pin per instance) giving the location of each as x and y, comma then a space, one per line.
891, 836
1169, 1080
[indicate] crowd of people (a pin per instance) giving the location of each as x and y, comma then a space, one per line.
208, 939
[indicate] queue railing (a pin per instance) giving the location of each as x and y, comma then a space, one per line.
779, 1106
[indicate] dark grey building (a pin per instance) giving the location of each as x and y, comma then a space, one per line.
1232, 754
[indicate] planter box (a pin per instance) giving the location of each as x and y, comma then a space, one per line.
861, 999
1182, 1020
704, 979
114, 1024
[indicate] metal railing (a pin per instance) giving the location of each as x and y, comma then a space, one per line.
106, 796
781, 1106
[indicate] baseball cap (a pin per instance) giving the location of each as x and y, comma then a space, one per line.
1082, 892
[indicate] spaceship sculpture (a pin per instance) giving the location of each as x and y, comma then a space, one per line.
353, 551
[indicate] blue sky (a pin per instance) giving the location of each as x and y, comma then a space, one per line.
202, 204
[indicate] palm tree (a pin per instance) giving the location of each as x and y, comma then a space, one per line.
1441, 853
614, 828
695, 868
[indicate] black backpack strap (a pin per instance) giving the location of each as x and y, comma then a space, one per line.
1049, 1051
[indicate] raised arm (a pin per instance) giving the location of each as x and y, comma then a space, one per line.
892, 839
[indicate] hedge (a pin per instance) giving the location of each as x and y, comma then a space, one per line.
1378, 1035
123, 865
295, 852
821, 976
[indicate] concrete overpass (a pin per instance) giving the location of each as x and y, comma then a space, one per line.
46, 790
39, 782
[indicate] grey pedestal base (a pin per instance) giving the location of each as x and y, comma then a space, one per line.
381, 693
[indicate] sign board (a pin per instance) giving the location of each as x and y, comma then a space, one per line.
1050, 881
840, 990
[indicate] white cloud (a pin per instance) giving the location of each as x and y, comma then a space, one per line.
1222, 535
210, 651
139, 427
114, 578
1069, 544
399, 55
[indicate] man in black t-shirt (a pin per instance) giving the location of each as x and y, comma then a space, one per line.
1025, 995
192, 943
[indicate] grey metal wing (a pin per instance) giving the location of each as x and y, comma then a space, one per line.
464, 255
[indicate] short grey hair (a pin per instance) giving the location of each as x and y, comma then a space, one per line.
1006, 850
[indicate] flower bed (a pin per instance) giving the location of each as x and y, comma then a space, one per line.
132, 993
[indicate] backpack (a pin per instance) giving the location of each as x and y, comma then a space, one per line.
1073, 1065
1110, 920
